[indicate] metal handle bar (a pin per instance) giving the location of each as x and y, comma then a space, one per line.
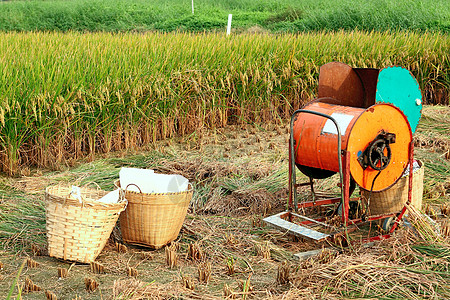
292, 152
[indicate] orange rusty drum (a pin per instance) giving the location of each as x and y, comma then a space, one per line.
316, 142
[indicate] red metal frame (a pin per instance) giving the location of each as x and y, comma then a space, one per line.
344, 172
346, 199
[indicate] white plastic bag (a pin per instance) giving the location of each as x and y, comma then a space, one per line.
150, 182
111, 197
132, 177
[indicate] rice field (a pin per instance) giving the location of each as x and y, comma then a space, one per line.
211, 15
68, 96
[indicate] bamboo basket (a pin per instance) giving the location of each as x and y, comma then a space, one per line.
155, 219
78, 231
394, 199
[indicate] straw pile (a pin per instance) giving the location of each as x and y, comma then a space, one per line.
370, 274
424, 227
136, 289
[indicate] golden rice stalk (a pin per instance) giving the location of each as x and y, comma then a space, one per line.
132, 272
204, 272
90, 284
188, 282
171, 255
30, 287
228, 292
32, 263
97, 268
195, 252
77, 124
121, 248
283, 273
63, 272
50, 295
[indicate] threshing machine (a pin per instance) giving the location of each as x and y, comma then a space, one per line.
360, 126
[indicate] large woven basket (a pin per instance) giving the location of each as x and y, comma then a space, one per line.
79, 231
153, 220
394, 199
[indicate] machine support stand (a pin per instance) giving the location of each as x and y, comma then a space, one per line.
410, 186
290, 203
313, 194
304, 226
346, 188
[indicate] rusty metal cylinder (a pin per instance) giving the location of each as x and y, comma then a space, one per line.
377, 138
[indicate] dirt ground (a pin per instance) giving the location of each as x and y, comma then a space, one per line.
223, 250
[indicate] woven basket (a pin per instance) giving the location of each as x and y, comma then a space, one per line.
394, 199
153, 220
78, 231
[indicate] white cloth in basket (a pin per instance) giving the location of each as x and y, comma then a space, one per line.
111, 197
150, 182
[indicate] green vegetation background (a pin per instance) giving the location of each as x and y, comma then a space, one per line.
271, 15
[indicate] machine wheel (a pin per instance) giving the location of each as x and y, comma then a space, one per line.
388, 223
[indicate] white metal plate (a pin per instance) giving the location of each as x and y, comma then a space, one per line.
342, 120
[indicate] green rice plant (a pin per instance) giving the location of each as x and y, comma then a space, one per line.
68, 96
175, 15
22, 224
16, 283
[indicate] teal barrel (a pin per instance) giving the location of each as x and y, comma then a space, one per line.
397, 86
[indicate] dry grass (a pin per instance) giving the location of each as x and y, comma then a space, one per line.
133, 289
424, 227
370, 275
228, 292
